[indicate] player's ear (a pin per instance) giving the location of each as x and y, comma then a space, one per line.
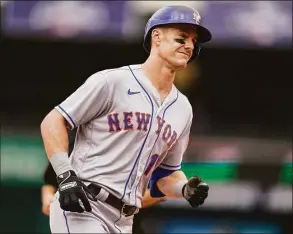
157, 34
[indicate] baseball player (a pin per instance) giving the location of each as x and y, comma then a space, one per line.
133, 128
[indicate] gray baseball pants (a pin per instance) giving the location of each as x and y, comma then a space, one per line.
102, 219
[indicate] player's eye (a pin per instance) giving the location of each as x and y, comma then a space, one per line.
180, 40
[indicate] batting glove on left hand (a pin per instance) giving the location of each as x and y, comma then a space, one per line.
195, 191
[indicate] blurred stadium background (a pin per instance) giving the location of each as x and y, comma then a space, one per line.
241, 141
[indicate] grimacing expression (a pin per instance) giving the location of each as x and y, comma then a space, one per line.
175, 43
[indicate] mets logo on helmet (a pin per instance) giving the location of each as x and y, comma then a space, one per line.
196, 16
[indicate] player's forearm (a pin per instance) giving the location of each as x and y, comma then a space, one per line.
171, 185
54, 133
148, 200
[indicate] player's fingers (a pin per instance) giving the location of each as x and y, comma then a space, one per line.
194, 205
203, 186
86, 204
73, 207
46, 210
194, 182
81, 204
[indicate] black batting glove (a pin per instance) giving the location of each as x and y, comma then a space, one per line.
195, 191
73, 193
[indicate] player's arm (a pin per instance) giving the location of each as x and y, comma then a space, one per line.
172, 184
55, 138
74, 194
50, 185
54, 134
87, 102
168, 179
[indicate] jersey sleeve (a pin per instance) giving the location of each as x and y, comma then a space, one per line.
173, 159
88, 101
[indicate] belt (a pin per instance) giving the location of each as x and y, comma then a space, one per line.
115, 202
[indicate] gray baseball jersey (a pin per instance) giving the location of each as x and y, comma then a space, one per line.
125, 131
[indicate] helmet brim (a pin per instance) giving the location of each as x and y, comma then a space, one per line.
204, 35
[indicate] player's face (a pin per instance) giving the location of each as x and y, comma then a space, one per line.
177, 44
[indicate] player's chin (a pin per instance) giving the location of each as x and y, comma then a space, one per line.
180, 63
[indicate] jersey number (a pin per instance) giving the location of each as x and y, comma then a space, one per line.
152, 162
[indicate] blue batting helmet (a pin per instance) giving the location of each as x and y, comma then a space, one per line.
177, 15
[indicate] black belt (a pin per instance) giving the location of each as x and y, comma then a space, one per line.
126, 210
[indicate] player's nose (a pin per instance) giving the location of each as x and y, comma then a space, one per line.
189, 44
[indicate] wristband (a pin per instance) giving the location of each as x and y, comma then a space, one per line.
178, 188
60, 163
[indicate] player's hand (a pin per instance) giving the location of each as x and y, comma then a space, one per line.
47, 196
148, 200
73, 193
195, 191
